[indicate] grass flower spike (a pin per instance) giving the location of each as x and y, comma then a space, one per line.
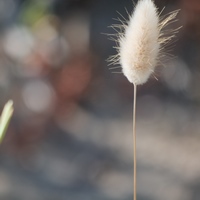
139, 47
140, 41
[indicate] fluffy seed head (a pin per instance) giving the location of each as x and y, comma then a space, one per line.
140, 43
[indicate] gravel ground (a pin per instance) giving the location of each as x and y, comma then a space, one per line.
90, 157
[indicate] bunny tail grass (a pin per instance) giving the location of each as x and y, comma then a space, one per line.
140, 45
141, 40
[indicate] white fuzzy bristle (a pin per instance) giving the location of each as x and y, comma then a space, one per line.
141, 42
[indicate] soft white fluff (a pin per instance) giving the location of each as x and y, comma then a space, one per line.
139, 46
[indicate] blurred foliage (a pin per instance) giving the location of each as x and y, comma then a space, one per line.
33, 10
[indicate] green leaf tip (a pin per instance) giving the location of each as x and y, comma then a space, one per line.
5, 118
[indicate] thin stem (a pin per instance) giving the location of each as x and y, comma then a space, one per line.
134, 145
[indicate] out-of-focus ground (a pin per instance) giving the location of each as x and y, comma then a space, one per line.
71, 134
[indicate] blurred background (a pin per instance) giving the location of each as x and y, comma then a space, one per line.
71, 134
